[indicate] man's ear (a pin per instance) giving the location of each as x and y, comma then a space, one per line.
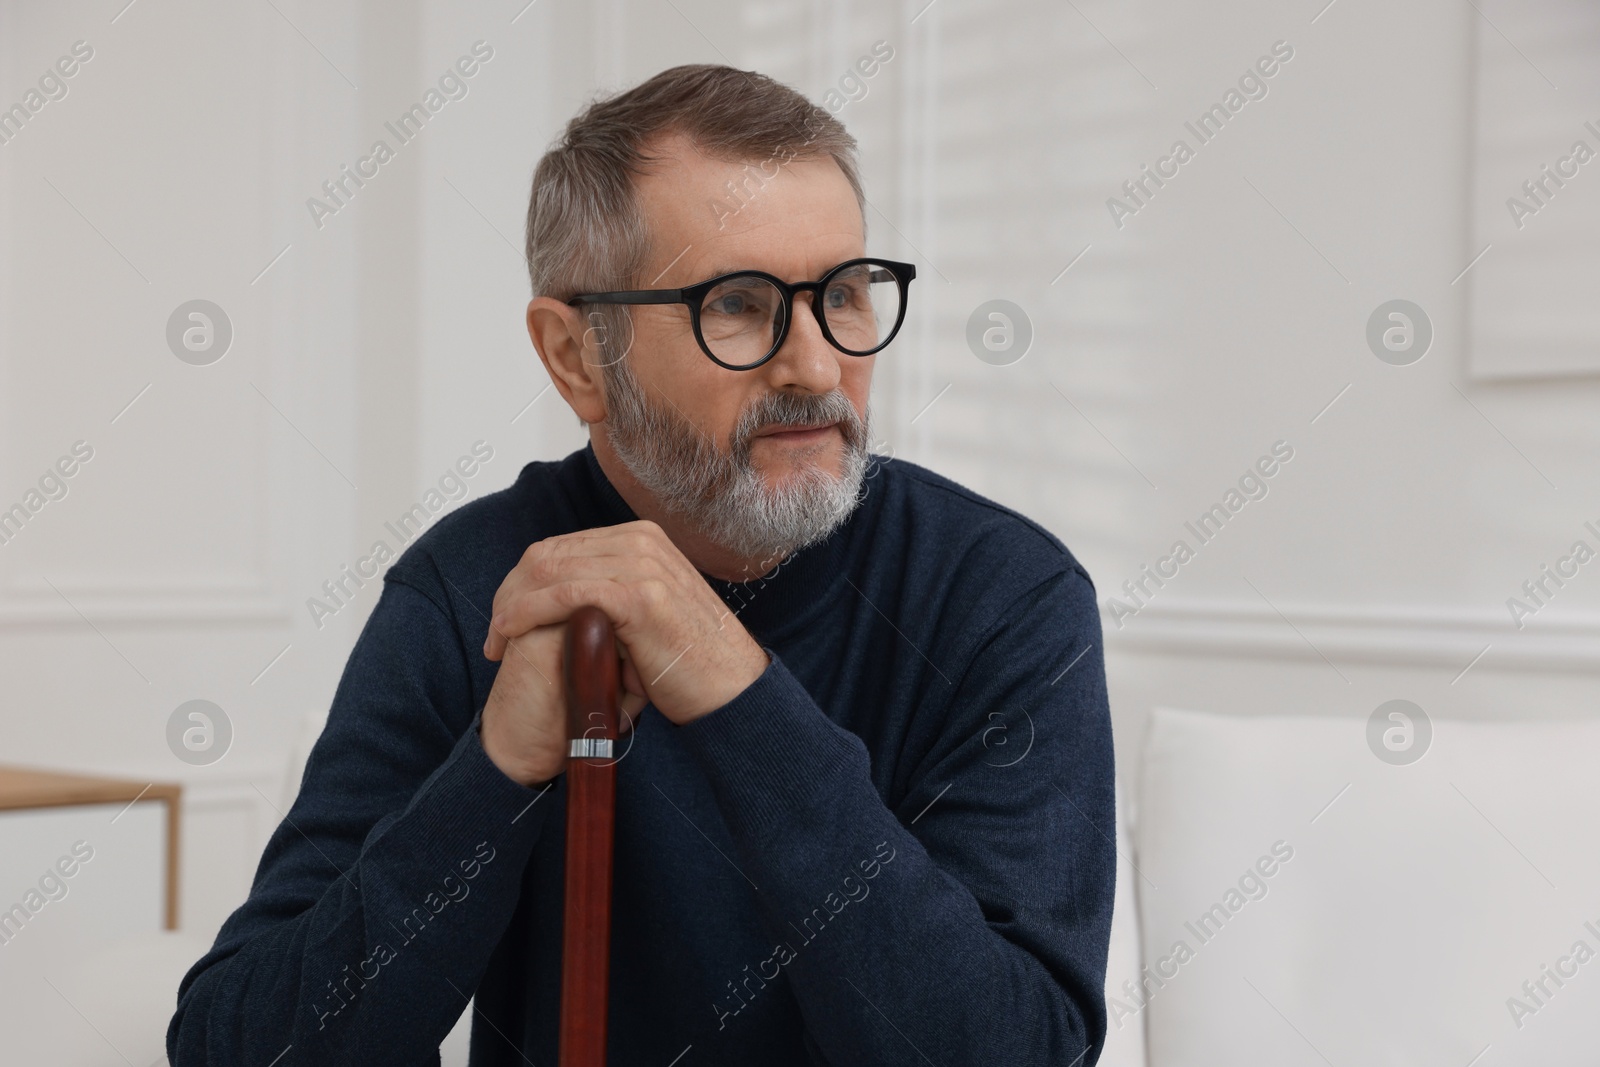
566, 347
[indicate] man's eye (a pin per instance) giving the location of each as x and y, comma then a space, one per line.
728, 304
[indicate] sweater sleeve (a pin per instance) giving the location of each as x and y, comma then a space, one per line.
383, 892
971, 922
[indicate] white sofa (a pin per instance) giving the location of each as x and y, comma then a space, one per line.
1414, 904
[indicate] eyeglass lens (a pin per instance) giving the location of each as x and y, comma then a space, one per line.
741, 318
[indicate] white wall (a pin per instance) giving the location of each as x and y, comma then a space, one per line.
1223, 317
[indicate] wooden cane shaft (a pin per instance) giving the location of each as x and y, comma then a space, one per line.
590, 669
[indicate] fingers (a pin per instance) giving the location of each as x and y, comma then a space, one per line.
555, 604
632, 705
632, 684
509, 620
526, 722
539, 650
627, 554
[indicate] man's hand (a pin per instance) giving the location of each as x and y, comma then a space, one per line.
682, 648
524, 728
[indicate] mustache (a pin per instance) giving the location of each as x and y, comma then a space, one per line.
796, 409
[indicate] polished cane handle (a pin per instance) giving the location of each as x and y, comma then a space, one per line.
591, 676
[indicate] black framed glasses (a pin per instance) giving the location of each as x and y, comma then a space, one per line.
741, 319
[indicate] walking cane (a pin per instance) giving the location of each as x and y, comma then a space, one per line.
590, 668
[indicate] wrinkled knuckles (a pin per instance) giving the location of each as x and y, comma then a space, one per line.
649, 537
542, 569
654, 594
655, 568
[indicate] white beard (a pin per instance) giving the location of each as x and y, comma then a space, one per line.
722, 494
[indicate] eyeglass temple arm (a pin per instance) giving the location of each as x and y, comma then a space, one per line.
635, 296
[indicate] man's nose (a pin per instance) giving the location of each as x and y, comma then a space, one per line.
806, 360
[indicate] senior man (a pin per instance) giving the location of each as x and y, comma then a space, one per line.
864, 814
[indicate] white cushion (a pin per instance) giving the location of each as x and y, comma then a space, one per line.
1413, 908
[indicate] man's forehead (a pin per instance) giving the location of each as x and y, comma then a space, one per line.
709, 215
788, 262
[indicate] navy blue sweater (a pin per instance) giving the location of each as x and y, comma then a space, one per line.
894, 847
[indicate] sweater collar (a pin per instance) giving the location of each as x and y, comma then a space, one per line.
773, 606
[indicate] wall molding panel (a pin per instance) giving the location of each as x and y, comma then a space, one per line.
1425, 637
